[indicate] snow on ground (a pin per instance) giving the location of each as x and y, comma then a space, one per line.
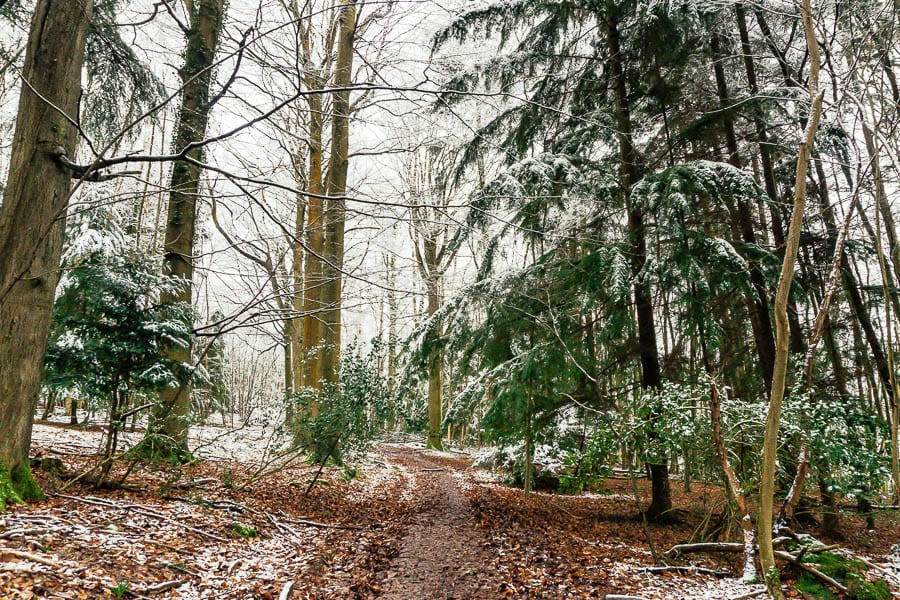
247, 443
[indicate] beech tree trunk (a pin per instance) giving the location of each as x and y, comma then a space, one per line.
170, 420
310, 372
336, 211
32, 224
651, 378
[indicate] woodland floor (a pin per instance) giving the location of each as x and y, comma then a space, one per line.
411, 524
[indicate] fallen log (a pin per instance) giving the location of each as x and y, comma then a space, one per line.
680, 549
164, 586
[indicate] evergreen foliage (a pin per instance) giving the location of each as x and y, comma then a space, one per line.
108, 326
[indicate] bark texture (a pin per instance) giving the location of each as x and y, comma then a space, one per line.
629, 172
782, 332
32, 223
170, 421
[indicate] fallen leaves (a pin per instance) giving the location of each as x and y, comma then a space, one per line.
412, 524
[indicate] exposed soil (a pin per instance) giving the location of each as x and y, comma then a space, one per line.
410, 524
442, 555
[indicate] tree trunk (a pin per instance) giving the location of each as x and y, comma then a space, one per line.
32, 224
661, 502
782, 333
821, 329
768, 169
528, 483
760, 320
52, 396
313, 268
296, 323
336, 211
733, 486
435, 373
169, 423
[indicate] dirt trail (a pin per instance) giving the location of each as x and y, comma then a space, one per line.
443, 554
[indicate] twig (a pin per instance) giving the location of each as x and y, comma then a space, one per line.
322, 465
286, 591
637, 500
194, 483
686, 571
165, 585
306, 523
29, 556
143, 511
750, 595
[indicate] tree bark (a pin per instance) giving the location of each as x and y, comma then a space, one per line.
435, 373
733, 486
651, 378
170, 420
313, 268
336, 211
760, 320
32, 224
782, 333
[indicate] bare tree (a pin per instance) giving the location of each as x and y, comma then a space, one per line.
425, 178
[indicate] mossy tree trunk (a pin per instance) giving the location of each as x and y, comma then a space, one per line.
32, 224
168, 429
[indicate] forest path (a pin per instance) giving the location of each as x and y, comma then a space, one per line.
443, 554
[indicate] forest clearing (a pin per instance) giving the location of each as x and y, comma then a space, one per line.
462, 299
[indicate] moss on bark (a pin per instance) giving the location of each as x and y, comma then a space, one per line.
17, 486
162, 449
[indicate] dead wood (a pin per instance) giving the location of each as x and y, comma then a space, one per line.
286, 591
305, 523
5, 552
679, 549
164, 586
142, 511
749, 595
686, 570
855, 506
811, 570
195, 483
